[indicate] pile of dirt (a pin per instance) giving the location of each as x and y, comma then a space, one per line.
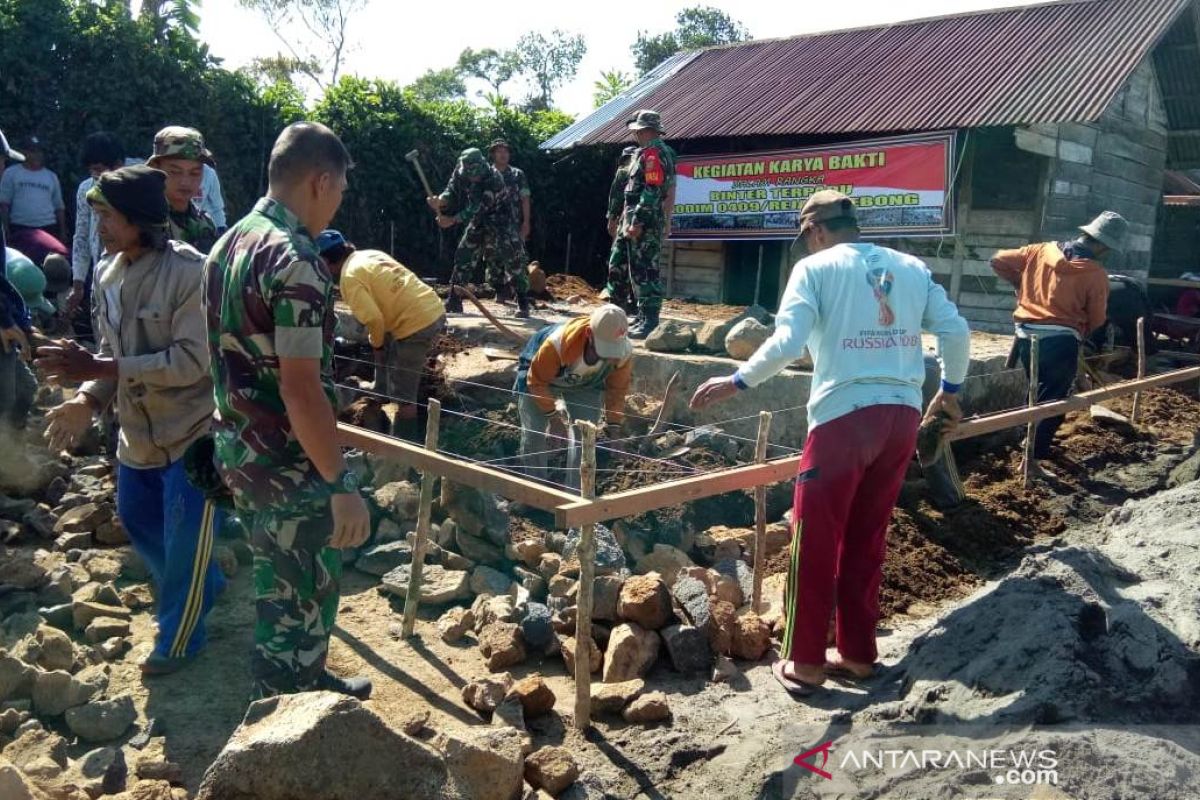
491, 435
1167, 412
565, 287
689, 309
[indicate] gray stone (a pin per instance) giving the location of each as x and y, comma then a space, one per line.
101, 771
531, 582
438, 586
688, 648
57, 691
1186, 472
609, 556
400, 499
740, 571
536, 628
60, 616
19, 570
487, 610
606, 592
384, 558
16, 677
83, 612
103, 628
711, 336
477, 513
40, 521
285, 745
84, 518
477, 549
692, 596
671, 337
485, 580
57, 650
746, 337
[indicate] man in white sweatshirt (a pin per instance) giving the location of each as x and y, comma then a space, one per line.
860, 309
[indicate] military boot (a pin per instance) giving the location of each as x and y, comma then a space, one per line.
522, 307
453, 302
644, 326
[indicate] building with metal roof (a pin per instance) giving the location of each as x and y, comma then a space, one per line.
1057, 111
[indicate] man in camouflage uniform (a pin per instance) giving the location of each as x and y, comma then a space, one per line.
181, 154
269, 309
492, 236
616, 191
518, 190
634, 256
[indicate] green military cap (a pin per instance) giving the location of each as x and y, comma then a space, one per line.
646, 119
498, 143
472, 162
176, 141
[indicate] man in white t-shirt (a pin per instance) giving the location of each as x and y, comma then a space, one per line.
211, 199
860, 309
32, 208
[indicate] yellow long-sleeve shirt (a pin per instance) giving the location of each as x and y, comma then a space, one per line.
386, 296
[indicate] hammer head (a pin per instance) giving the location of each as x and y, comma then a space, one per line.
411, 155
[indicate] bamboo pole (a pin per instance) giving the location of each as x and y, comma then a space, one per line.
1141, 369
760, 510
587, 581
413, 595
1031, 426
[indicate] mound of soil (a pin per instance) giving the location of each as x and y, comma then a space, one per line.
564, 287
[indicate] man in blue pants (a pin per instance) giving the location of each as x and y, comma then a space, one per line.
153, 358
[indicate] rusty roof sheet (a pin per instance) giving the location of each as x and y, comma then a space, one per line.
1063, 61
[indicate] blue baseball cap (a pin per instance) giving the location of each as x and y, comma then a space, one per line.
329, 239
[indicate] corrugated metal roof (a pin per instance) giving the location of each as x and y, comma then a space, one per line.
1058, 62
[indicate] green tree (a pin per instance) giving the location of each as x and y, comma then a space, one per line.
164, 15
549, 61
610, 84
313, 31
697, 27
440, 84
493, 67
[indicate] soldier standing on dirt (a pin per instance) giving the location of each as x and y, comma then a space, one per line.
634, 256
269, 303
491, 236
616, 191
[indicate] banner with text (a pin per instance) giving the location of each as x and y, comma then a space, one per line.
901, 187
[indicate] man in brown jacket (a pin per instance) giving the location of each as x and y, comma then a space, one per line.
1062, 297
153, 362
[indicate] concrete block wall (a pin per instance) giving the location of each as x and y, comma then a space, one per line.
1115, 162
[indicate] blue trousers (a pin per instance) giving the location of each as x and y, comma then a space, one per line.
172, 529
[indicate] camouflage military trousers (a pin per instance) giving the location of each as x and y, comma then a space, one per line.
635, 264
297, 577
499, 250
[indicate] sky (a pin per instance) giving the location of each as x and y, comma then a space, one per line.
400, 40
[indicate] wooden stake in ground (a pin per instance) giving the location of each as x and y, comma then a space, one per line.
1141, 366
1031, 428
760, 510
412, 597
586, 552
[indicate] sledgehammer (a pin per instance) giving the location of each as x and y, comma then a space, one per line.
415, 157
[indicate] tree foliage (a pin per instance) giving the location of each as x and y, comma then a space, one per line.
493, 67
164, 15
697, 27
440, 84
549, 61
610, 84
312, 31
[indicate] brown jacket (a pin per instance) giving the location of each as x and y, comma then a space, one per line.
163, 390
1055, 290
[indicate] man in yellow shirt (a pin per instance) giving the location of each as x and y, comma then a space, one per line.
402, 314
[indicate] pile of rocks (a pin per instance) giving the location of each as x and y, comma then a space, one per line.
69, 589
737, 337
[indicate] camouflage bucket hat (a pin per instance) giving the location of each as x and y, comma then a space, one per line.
178, 142
472, 162
646, 119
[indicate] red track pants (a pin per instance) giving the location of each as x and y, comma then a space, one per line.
850, 477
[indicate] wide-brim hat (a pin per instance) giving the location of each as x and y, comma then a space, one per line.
645, 119
176, 141
499, 143
1109, 229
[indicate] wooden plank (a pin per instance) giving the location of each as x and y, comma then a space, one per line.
697, 246
476, 475
1173, 282
1011, 419
412, 597
1031, 426
587, 584
700, 259
760, 512
1141, 368
672, 493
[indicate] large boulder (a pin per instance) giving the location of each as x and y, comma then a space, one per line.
609, 556
383, 558
671, 337
285, 746
477, 513
476, 548
645, 600
746, 337
400, 499
688, 648
439, 586
711, 336
632, 650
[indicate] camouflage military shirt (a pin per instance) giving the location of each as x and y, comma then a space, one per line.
651, 178
517, 189
482, 202
267, 294
195, 227
616, 192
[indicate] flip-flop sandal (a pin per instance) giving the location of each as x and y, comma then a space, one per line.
840, 671
793, 687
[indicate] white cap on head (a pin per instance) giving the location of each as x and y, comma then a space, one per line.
610, 332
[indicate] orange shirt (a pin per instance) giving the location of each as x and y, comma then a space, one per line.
1053, 289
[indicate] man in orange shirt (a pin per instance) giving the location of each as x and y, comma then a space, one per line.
1062, 297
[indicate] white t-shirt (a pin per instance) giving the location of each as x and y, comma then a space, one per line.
33, 196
